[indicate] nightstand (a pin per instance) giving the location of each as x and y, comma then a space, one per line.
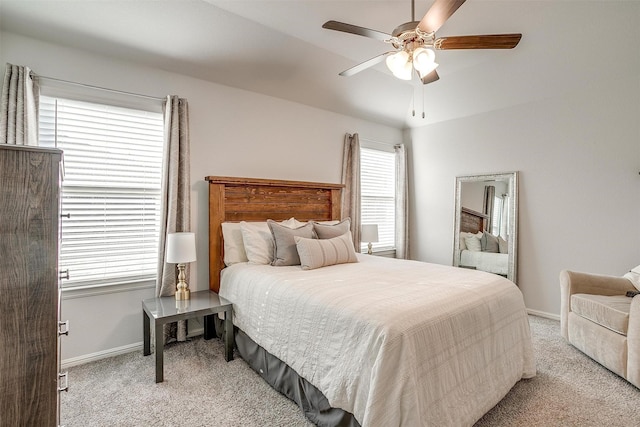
165, 310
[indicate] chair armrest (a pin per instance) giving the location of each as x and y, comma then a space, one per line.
572, 282
633, 343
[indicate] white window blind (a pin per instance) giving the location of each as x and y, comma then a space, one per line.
377, 203
110, 191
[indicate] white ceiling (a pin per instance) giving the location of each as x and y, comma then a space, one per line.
278, 48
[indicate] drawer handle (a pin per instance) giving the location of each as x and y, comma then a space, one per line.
64, 274
63, 376
64, 325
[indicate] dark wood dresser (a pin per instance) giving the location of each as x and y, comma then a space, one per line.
29, 295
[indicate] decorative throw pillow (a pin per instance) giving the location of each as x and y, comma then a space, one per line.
634, 277
489, 243
503, 245
233, 244
329, 231
473, 243
316, 253
258, 241
285, 245
463, 235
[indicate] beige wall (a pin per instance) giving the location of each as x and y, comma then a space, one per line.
578, 154
233, 133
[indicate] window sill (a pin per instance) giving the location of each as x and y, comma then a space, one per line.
103, 289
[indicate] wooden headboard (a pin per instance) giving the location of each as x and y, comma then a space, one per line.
251, 199
472, 221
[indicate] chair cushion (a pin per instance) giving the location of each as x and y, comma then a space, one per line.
609, 311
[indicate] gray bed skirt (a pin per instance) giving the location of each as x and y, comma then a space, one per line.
287, 381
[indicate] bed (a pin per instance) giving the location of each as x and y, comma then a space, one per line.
473, 228
378, 342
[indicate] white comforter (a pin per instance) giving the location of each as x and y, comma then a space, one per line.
396, 343
485, 261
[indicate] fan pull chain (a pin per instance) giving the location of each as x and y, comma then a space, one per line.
413, 101
423, 115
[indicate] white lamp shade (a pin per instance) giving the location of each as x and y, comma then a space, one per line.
181, 248
369, 233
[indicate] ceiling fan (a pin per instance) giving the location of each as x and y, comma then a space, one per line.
416, 41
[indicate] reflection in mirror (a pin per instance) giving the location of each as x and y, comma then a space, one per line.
486, 223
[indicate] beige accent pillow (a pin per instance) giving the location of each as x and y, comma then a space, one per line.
329, 231
285, 245
503, 245
316, 253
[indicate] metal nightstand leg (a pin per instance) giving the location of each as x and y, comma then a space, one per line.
228, 335
159, 332
146, 334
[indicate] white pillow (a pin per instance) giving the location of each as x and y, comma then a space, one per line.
316, 253
463, 235
473, 243
634, 277
233, 245
258, 241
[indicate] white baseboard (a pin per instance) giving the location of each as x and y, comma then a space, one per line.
92, 357
544, 314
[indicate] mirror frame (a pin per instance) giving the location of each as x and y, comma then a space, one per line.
512, 177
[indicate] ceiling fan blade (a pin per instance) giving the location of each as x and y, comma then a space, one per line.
429, 78
493, 41
437, 14
366, 64
353, 29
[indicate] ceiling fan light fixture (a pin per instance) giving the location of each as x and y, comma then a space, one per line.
424, 60
404, 73
399, 63
428, 70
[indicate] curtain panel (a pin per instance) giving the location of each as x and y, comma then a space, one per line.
487, 205
19, 106
351, 181
402, 211
176, 200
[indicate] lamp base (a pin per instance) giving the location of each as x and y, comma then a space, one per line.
182, 294
182, 287
369, 247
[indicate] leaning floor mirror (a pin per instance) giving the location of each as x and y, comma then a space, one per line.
486, 223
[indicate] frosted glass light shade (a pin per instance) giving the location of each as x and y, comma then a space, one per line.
400, 65
369, 233
181, 248
424, 61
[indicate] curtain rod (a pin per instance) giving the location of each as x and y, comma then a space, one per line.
97, 87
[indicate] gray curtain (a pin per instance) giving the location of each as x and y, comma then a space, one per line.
487, 206
402, 211
176, 200
19, 107
351, 181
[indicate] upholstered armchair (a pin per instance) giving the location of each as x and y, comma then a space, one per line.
599, 319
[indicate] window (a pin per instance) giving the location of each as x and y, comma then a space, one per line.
111, 189
378, 187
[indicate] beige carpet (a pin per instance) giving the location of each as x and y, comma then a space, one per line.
201, 389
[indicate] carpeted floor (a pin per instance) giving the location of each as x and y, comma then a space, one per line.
201, 389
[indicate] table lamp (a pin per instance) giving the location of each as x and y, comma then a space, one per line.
369, 234
181, 248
